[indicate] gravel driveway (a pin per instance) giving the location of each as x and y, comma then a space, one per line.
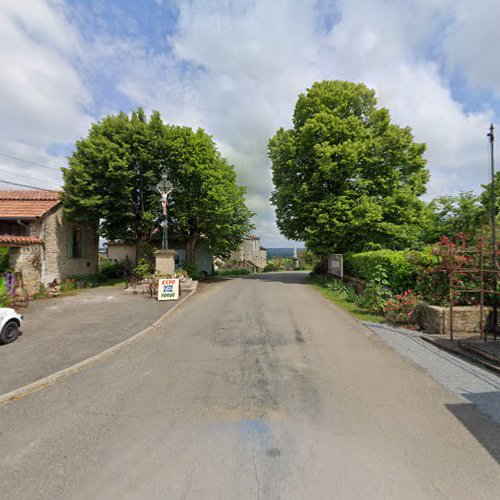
472, 383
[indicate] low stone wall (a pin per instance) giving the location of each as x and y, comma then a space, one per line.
358, 285
436, 320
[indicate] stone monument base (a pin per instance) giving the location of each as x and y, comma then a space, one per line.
165, 262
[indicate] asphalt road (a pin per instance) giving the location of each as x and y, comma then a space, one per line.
58, 333
256, 388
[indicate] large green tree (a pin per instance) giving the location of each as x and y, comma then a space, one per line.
113, 171
345, 178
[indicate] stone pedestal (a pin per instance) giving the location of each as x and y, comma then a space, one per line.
165, 262
295, 263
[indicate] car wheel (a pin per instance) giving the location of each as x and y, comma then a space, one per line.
10, 332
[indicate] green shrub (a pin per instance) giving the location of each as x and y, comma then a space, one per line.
112, 269
193, 272
144, 268
4, 260
401, 266
402, 308
89, 280
68, 284
5, 298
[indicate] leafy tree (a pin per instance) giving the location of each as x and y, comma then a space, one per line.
345, 178
113, 171
485, 199
451, 215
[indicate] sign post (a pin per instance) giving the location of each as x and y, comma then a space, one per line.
168, 289
336, 265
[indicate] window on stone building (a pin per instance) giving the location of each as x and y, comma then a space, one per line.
77, 241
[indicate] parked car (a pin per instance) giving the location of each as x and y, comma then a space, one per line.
10, 324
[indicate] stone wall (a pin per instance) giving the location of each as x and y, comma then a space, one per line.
54, 232
436, 320
118, 253
28, 260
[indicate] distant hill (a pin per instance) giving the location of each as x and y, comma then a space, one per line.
281, 252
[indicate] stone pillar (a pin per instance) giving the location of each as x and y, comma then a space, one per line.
295, 259
165, 262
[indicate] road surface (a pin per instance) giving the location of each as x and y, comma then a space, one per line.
257, 388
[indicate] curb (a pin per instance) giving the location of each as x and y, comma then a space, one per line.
464, 354
25, 390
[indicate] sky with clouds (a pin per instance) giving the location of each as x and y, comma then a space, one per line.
236, 68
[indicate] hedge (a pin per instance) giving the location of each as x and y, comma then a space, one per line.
401, 266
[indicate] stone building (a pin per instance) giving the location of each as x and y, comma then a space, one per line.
250, 254
119, 251
42, 245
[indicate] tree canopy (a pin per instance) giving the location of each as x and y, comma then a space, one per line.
113, 171
466, 213
345, 177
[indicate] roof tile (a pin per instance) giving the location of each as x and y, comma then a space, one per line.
19, 240
27, 204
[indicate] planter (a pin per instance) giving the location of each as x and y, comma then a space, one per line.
466, 319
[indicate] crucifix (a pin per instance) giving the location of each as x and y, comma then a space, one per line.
165, 187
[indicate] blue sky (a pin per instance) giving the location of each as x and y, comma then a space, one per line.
236, 68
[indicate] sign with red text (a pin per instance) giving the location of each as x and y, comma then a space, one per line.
168, 289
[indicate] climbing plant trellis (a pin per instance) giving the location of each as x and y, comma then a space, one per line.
470, 272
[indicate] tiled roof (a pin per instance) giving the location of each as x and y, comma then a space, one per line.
19, 240
27, 204
29, 194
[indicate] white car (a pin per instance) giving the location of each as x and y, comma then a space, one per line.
10, 324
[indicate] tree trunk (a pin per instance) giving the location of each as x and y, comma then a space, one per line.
191, 248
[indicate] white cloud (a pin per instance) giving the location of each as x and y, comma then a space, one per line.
471, 40
382, 50
43, 95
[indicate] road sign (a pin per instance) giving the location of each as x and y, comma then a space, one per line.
168, 289
336, 264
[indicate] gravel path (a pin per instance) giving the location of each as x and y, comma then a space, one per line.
472, 383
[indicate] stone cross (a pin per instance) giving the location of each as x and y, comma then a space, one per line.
165, 187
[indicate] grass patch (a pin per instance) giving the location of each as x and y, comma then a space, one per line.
114, 282
232, 272
344, 298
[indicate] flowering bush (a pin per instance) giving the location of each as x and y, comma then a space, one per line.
433, 281
401, 308
69, 284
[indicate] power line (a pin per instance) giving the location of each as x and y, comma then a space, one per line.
27, 177
26, 186
28, 161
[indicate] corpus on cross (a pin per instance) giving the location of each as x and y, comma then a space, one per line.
165, 187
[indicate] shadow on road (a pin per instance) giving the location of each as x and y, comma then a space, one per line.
290, 277
484, 429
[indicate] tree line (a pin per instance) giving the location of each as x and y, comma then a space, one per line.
112, 174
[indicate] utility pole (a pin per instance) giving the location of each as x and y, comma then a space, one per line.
494, 316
